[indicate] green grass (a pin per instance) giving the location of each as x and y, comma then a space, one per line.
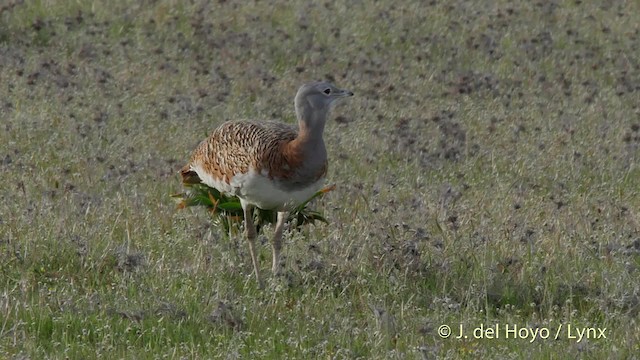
486, 173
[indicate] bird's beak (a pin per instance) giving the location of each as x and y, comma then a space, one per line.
345, 93
339, 95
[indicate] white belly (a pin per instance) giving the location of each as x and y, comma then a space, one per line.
259, 190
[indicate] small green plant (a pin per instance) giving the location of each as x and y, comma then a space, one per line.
226, 210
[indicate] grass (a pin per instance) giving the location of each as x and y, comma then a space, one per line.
486, 175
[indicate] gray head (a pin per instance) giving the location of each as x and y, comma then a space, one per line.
314, 100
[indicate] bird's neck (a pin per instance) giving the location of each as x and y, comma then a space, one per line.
307, 150
311, 127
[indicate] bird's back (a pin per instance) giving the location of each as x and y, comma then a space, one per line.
255, 161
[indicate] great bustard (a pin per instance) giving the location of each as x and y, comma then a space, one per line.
269, 165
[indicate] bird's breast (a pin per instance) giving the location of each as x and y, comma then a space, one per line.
295, 167
267, 192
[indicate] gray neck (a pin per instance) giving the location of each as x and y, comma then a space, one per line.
311, 123
310, 141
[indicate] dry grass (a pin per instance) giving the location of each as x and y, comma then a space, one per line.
486, 174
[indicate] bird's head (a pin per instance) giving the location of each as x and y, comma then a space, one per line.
314, 100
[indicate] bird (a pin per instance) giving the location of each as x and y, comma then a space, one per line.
268, 164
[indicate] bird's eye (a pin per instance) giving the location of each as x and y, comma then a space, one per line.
327, 91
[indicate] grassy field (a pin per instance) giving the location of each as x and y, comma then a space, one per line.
486, 176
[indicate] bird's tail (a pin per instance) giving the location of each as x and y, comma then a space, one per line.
189, 177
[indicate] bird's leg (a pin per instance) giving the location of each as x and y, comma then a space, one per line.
250, 231
277, 241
